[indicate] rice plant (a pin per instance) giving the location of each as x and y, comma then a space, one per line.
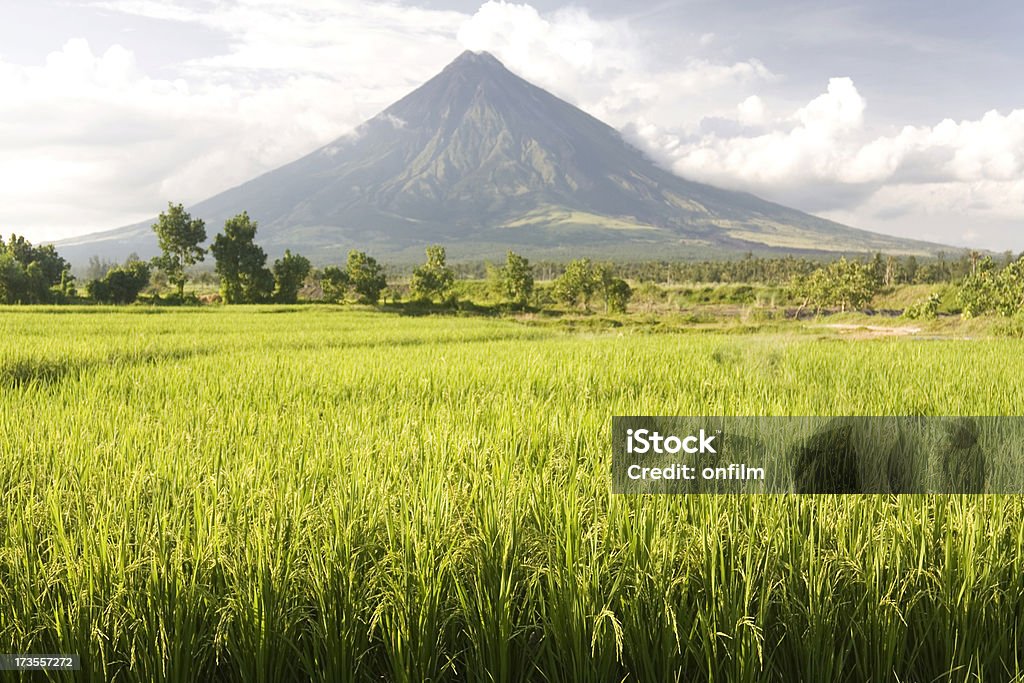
284, 493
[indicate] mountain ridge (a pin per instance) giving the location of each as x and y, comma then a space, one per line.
481, 160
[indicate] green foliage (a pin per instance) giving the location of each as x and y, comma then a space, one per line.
367, 277
615, 291
14, 280
583, 279
513, 282
847, 285
577, 284
179, 236
1009, 289
397, 499
120, 284
886, 270
617, 294
979, 291
334, 284
433, 280
988, 289
290, 271
362, 275
241, 263
32, 274
928, 309
852, 285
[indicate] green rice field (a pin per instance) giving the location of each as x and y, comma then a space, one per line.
314, 493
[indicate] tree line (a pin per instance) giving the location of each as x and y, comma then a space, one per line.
241, 266
889, 270
38, 274
33, 274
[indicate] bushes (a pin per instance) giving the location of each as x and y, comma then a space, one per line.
847, 285
121, 285
583, 279
434, 279
927, 309
987, 291
31, 274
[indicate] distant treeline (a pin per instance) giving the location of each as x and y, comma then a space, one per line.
888, 270
34, 275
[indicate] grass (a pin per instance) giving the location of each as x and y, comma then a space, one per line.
286, 493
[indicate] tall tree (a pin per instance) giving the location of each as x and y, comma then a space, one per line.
241, 263
615, 290
290, 272
180, 236
1010, 288
334, 284
366, 276
515, 279
978, 292
433, 279
853, 284
13, 280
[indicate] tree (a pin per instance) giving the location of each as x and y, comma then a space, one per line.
978, 291
30, 274
615, 291
241, 263
879, 270
120, 284
852, 284
13, 280
846, 284
926, 309
617, 295
910, 268
434, 279
367, 276
180, 236
1010, 289
98, 268
334, 284
986, 290
290, 272
515, 279
577, 284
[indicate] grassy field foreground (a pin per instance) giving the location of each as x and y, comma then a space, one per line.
277, 494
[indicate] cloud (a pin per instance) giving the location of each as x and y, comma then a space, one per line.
751, 111
604, 67
823, 157
90, 139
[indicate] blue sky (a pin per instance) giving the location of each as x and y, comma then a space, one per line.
900, 117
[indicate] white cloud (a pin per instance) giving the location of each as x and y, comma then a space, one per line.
90, 140
751, 111
823, 157
604, 67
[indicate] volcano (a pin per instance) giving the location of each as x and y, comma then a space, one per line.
481, 161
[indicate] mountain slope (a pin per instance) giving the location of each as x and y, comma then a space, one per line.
481, 160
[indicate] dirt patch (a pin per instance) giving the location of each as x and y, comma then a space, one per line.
871, 331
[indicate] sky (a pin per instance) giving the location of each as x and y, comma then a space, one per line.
900, 117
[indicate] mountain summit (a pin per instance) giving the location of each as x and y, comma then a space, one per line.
481, 160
